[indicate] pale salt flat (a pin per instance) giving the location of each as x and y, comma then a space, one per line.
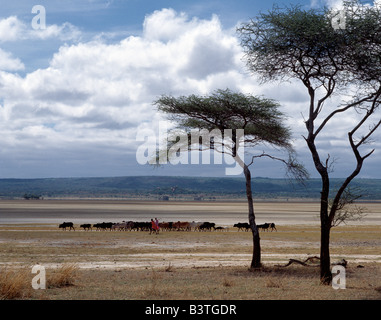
222, 213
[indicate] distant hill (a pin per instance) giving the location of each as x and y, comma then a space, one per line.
174, 187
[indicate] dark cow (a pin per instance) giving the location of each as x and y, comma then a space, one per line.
242, 225
65, 225
136, 226
142, 226
97, 226
133, 225
207, 226
103, 225
86, 226
107, 225
145, 226
264, 226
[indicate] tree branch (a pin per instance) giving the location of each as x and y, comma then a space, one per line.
351, 105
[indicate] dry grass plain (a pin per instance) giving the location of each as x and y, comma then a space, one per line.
181, 265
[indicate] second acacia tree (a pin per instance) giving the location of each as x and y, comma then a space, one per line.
259, 119
330, 62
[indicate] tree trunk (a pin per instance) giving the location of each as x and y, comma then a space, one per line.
325, 223
325, 260
256, 259
325, 228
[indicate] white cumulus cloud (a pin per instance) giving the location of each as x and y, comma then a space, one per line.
80, 115
96, 94
13, 29
8, 63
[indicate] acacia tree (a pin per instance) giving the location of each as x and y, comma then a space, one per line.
328, 59
224, 110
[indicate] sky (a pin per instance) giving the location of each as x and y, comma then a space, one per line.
78, 80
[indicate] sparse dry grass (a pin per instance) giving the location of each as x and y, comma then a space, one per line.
14, 283
222, 283
219, 283
64, 276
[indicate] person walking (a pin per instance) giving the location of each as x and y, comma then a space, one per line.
157, 225
154, 226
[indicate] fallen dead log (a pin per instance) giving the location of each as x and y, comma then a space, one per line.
311, 262
306, 263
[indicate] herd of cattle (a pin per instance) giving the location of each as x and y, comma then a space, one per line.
164, 226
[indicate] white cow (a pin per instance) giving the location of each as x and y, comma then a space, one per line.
195, 225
